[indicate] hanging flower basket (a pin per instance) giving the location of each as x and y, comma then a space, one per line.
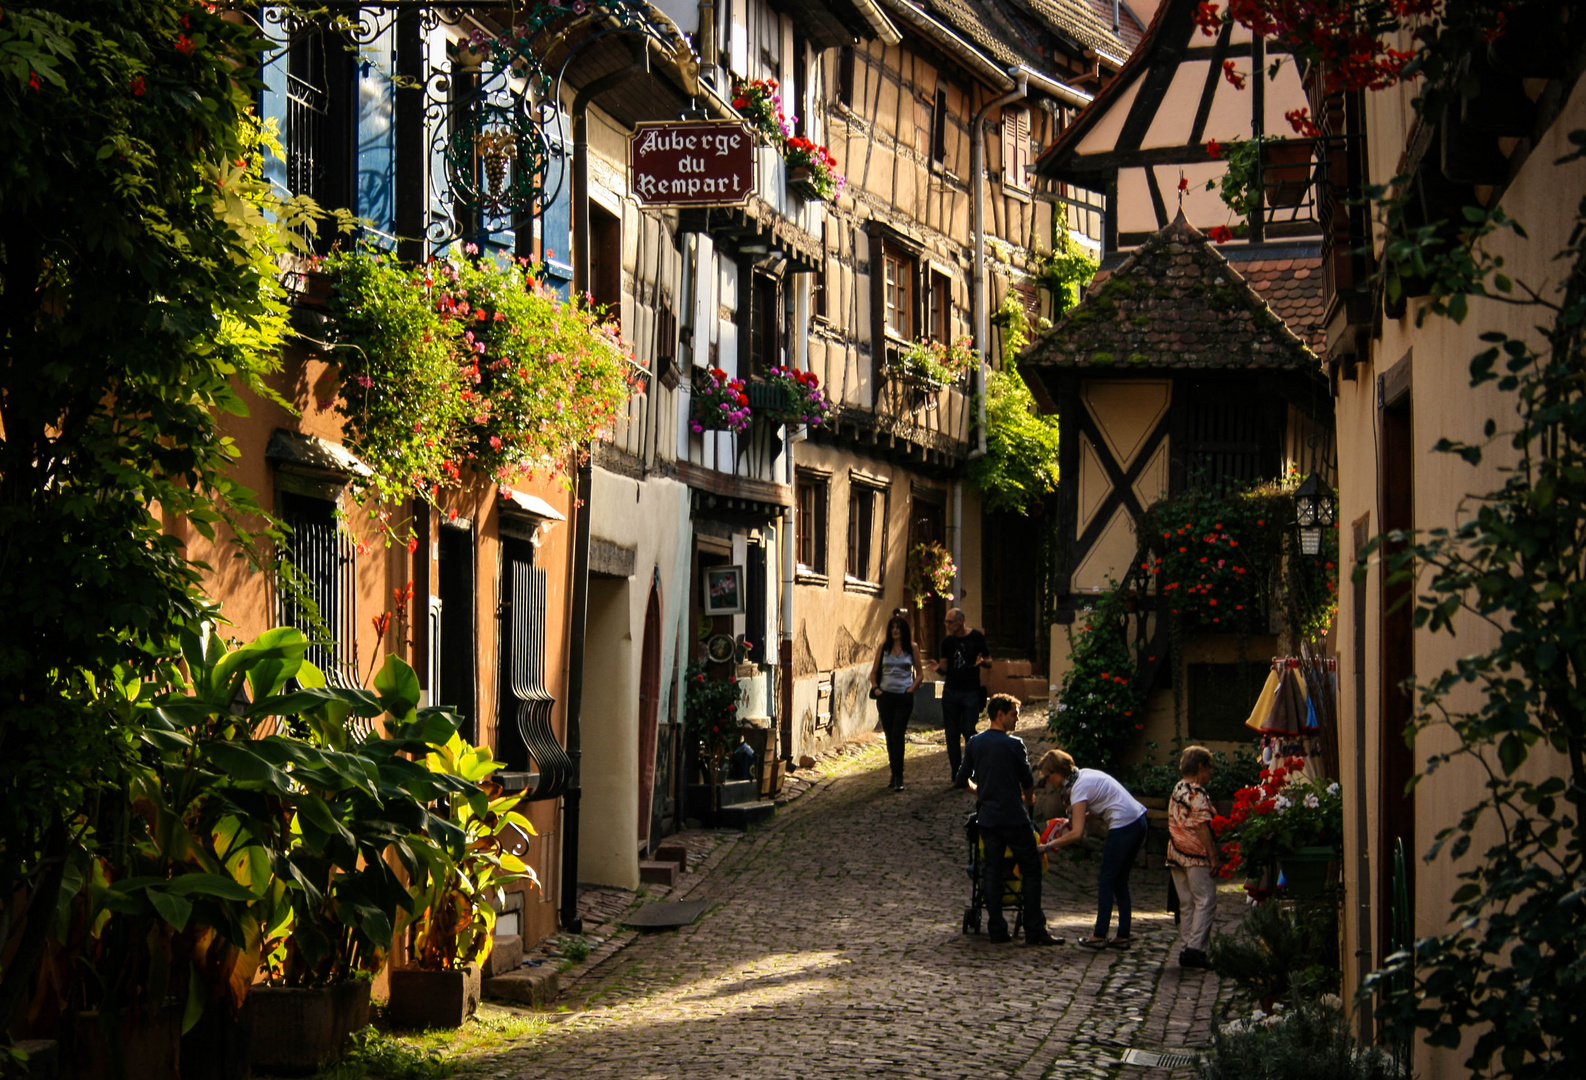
719, 403
792, 397
812, 170
1285, 172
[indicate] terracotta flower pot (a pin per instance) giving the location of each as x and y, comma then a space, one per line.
801, 182
1286, 172
433, 999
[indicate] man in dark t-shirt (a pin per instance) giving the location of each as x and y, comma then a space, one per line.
997, 766
962, 654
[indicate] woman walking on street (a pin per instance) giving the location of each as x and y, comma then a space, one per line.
893, 679
1093, 792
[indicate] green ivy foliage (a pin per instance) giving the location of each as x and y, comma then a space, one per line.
1019, 468
1097, 711
1066, 270
139, 306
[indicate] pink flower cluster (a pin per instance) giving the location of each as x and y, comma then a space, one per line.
723, 404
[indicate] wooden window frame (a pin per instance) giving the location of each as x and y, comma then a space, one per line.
605, 272
867, 541
939, 129
1016, 148
812, 497
898, 288
938, 304
906, 252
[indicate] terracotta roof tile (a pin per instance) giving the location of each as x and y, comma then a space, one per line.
1176, 302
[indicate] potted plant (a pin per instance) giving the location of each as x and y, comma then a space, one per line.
711, 714
932, 365
349, 809
796, 397
759, 101
812, 170
1278, 167
251, 835
719, 403
1288, 821
479, 851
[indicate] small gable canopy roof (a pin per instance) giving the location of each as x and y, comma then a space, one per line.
1174, 304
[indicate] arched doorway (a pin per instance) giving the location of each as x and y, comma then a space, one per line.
649, 707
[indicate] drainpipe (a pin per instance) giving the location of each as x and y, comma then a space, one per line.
579, 615
1026, 79
709, 54
979, 301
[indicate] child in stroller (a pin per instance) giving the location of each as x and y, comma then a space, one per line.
1012, 898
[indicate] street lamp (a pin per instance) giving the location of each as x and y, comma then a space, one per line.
1314, 508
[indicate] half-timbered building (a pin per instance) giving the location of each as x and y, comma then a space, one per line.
1192, 360
935, 132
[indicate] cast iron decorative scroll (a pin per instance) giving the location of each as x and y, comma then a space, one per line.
495, 134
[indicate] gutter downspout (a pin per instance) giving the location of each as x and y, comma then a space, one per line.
978, 300
1025, 79
579, 604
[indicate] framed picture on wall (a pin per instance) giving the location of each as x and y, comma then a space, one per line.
724, 590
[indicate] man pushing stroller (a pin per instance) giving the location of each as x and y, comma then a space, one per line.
996, 767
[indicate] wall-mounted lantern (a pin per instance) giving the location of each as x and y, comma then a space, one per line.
1314, 510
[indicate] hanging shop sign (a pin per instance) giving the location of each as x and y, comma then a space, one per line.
692, 163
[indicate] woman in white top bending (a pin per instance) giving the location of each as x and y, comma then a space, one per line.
1091, 791
893, 679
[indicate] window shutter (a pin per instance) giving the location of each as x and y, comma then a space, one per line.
557, 223
1016, 147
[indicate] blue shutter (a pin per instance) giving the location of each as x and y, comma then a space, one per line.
272, 106
557, 223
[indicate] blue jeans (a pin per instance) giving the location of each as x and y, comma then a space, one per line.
960, 712
1117, 859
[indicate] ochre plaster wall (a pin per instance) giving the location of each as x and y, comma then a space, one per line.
249, 602
1443, 406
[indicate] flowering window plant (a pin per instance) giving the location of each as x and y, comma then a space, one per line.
1283, 812
1223, 557
719, 403
806, 401
930, 573
936, 361
824, 182
759, 101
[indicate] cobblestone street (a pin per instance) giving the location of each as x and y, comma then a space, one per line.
833, 947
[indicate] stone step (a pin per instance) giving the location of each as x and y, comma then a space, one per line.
672, 853
658, 873
506, 955
744, 815
1010, 667
527, 986
1023, 687
738, 791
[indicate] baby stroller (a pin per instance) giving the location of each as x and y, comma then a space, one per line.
1012, 898
1012, 883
